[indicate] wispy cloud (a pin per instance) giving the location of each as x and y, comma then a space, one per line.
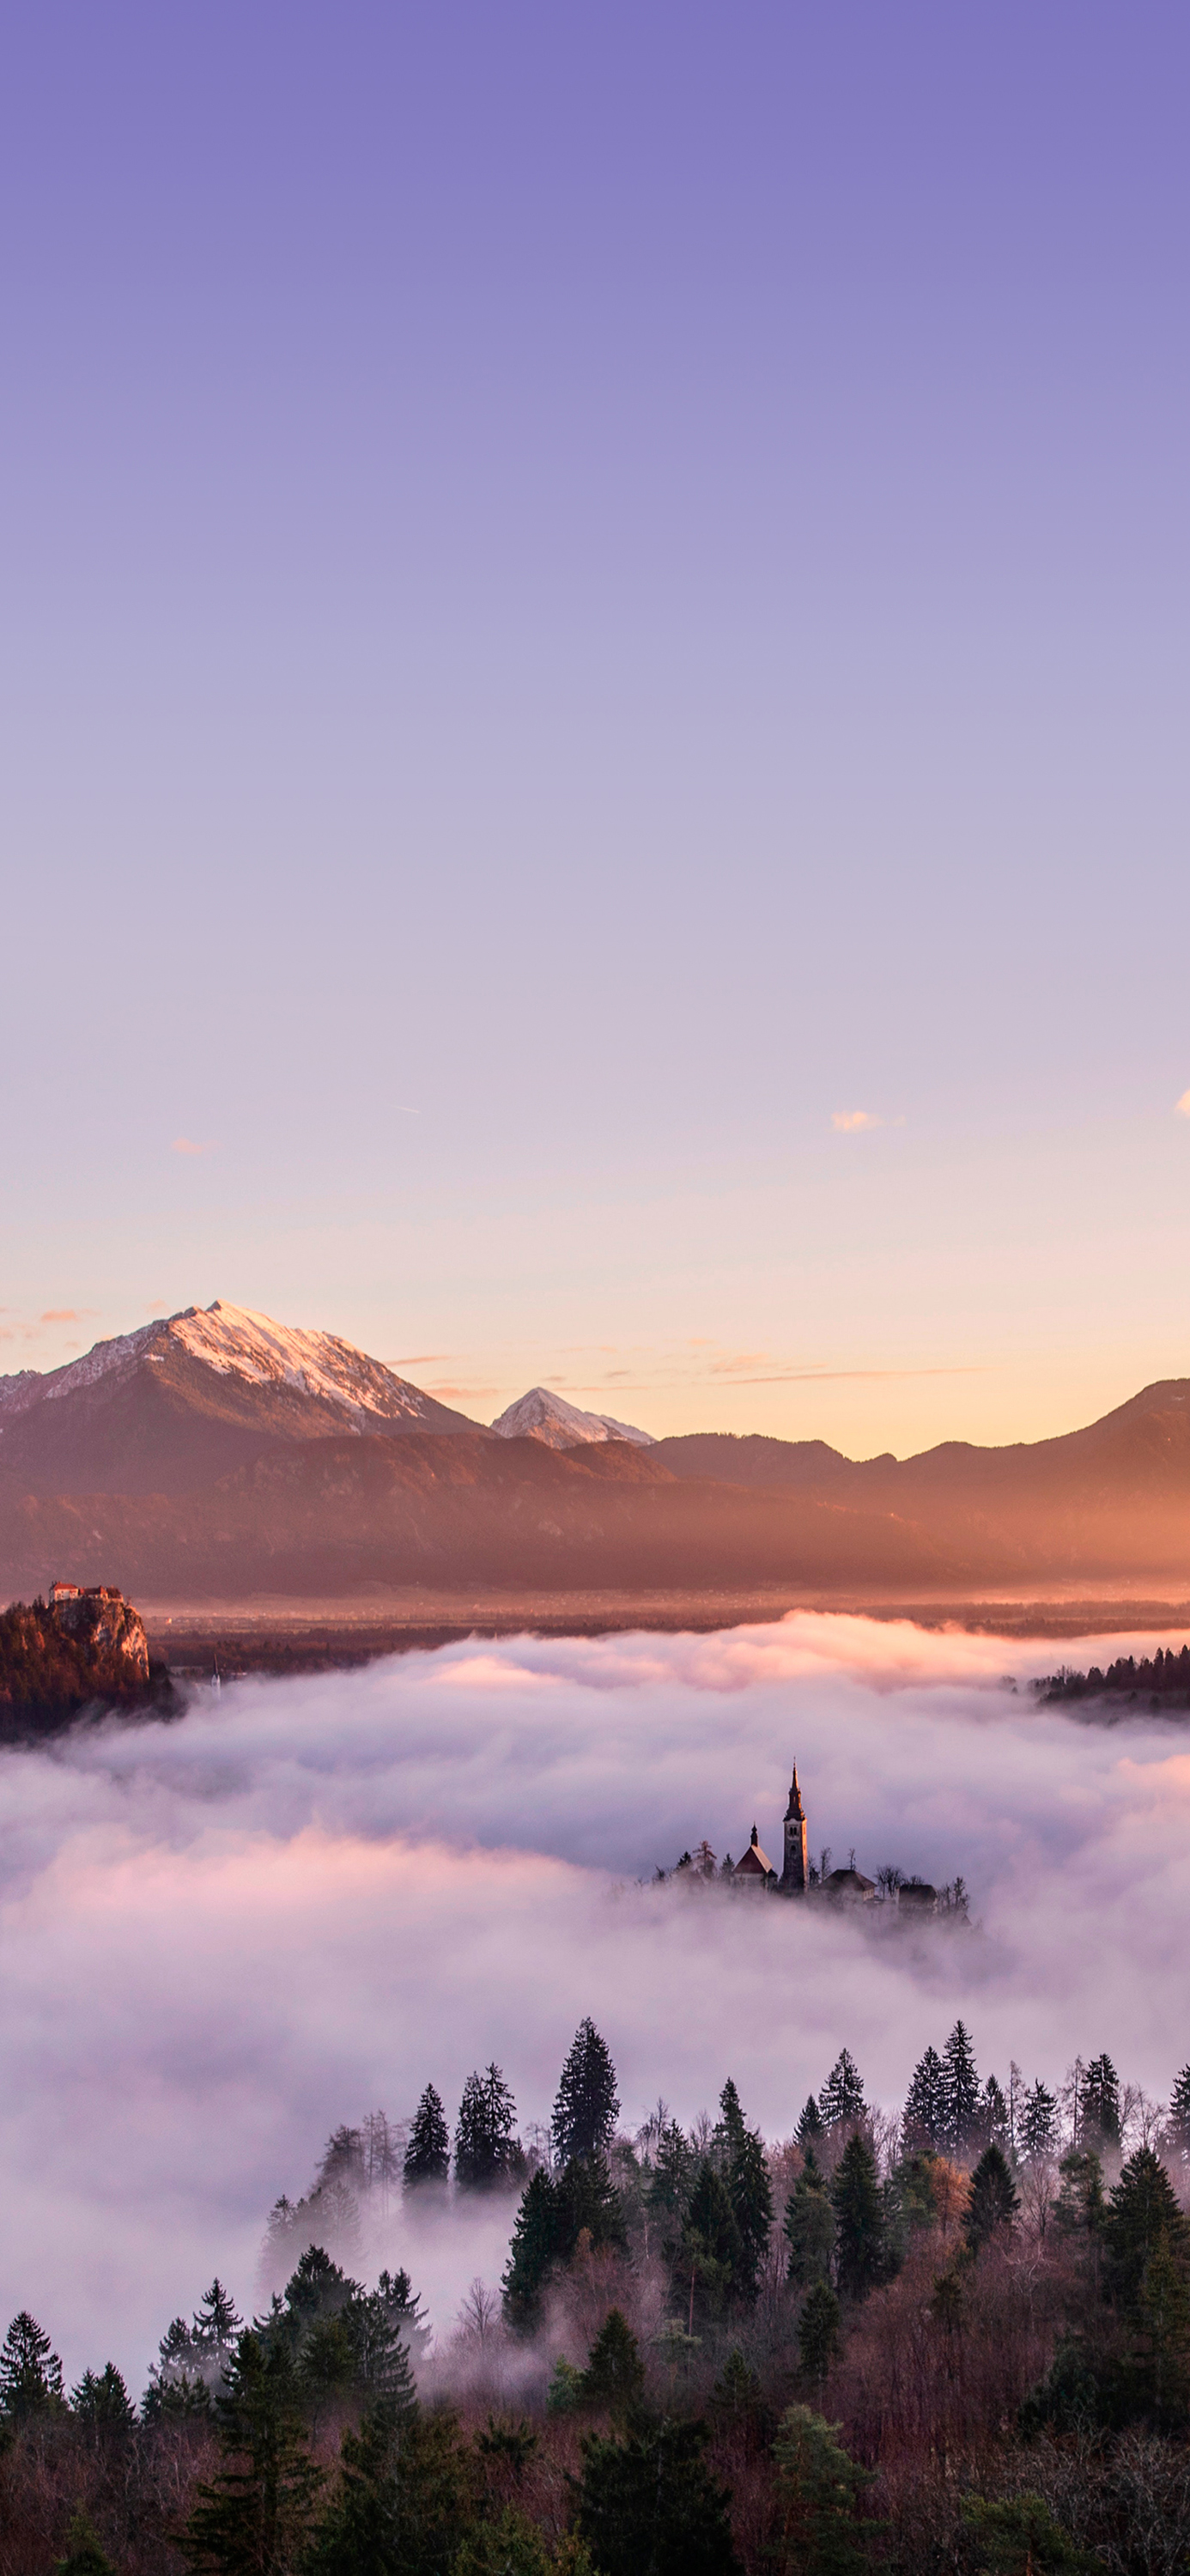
850, 1121
67, 1314
186, 1145
1182, 1107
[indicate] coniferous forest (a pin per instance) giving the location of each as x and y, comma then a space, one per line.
956, 2337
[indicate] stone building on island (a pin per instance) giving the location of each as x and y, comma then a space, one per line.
755, 1874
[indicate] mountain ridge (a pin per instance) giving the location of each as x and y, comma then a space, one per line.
216, 1453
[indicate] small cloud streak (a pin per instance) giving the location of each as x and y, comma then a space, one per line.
67, 1314
186, 1145
1182, 1107
849, 1122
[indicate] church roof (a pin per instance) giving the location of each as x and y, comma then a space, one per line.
754, 1864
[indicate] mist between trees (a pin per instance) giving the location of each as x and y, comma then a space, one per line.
952, 2337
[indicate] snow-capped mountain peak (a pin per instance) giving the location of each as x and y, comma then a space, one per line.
541, 1415
237, 1343
233, 1343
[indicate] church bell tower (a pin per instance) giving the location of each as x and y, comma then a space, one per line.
794, 1876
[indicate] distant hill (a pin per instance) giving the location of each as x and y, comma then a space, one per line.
192, 1396
1113, 1499
215, 1454
541, 1415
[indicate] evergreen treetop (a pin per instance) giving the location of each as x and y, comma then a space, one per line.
809, 2227
1099, 2106
614, 2378
30, 2374
1179, 2113
587, 2106
427, 2151
1142, 2212
217, 2321
924, 2123
859, 2219
533, 2251
993, 2203
960, 2090
647, 2506
842, 2095
101, 2401
1039, 2121
809, 2127
485, 2149
254, 2517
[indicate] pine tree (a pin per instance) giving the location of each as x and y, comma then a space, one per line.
586, 2198
317, 2288
427, 2154
532, 2253
711, 2255
401, 2504
405, 2310
1078, 2210
859, 2219
809, 2227
30, 2374
85, 2553
672, 2176
820, 2487
818, 2330
1039, 2121
1160, 2351
1100, 2106
381, 2372
217, 2323
808, 2132
842, 2095
1142, 2212
745, 2171
995, 2120
960, 2091
993, 2203
102, 2402
484, 2146
253, 2518
737, 2396
647, 2506
614, 2379
924, 2122
1179, 2113
587, 2106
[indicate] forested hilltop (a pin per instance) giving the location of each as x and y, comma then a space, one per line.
953, 2338
1163, 1679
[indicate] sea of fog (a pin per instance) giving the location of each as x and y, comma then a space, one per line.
306, 1899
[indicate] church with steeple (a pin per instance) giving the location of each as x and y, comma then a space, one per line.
755, 1873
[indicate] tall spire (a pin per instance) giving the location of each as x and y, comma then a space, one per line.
795, 1875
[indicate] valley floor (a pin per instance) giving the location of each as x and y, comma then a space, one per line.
280, 1634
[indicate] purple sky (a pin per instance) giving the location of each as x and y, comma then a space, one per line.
585, 593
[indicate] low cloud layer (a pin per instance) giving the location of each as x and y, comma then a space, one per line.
308, 1898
